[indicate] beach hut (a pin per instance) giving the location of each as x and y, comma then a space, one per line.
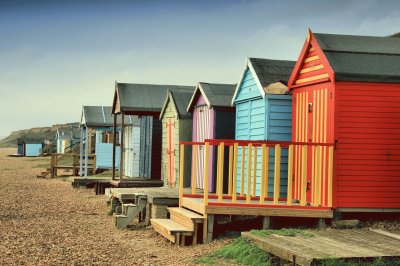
213, 118
30, 147
67, 138
145, 101
97, 136
264, 112
176, 127
346, 92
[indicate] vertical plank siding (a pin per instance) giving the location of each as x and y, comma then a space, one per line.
33, 149
368, 150
132, 150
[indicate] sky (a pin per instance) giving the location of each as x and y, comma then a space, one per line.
56, 56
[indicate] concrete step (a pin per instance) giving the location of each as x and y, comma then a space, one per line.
185, 217
170, 229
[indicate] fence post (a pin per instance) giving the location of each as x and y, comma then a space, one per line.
221, 150
249, 153
230, 170
194, 170
262, 181
206, 156
254, 173
234, 185
277, 173
242, 172
181, 174
290, 174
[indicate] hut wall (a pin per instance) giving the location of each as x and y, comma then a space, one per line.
367, 122
33, 149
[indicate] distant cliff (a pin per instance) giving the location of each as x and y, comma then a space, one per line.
36, 132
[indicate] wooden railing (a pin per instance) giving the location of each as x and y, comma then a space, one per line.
70, 161
300, 173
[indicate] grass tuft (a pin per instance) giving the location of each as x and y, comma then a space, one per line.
240, 251
283, 232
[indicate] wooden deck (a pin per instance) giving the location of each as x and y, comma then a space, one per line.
254, 208
339, 244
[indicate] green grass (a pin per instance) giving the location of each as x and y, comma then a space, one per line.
240, 251
354, 262
283, 232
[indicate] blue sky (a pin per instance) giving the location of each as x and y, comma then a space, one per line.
56, 56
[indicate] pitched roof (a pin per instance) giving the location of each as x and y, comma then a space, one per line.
180, 101
139, 98
215, 94
101, 116
362, 58
270, 71
266, 72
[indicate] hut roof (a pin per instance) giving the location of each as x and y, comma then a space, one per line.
29, 140
101, 116
141, 98
215, 94
180, 100
267, 72
362, 58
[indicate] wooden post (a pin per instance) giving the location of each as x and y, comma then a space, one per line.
266, 222
218, 162
242, 172
304, 176
210, 227
234, 185
205, 228
318, 177
277, 173
86, 151
230, 170
290, 174
206, 156
249, 153
330, 176
221, 171
262, 181
81, 153
121, 148
194, 170
254, 172
181, 175
114, 145
195, 229
266, 171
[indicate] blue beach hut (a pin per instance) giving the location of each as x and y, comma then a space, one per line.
264, 112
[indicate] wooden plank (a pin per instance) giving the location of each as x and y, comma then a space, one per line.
194, 169
206, 174
386, 233
235, 159
249, 153
253, 194
193, 205
290, 174
230, 170
263, 175
311, 68
242, 172
181, 173
313, 78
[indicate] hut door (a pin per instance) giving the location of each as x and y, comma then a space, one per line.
128, 152
146, 127
203, 128
170, 152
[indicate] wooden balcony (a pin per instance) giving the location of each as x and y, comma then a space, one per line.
263, 178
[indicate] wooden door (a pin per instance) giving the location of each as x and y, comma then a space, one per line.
170, 152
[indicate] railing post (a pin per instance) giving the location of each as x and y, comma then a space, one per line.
235, 159
254, 173
330, 176
194, 170
181, 174
242, 171
230, 170
318, 177
263, 174
277, 173
304, 176
220, 175
249, 153
290, 174
205, 185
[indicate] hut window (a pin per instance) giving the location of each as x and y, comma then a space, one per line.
108, 137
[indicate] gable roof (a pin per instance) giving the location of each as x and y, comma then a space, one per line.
101, 116
266, 72
215, 94
357, 58
180, 101
68, 132
140, 98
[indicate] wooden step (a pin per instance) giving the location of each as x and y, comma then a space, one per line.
170, 229
185, 217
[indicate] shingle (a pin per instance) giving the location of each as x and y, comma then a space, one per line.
101, 116
218, 94
181, 100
